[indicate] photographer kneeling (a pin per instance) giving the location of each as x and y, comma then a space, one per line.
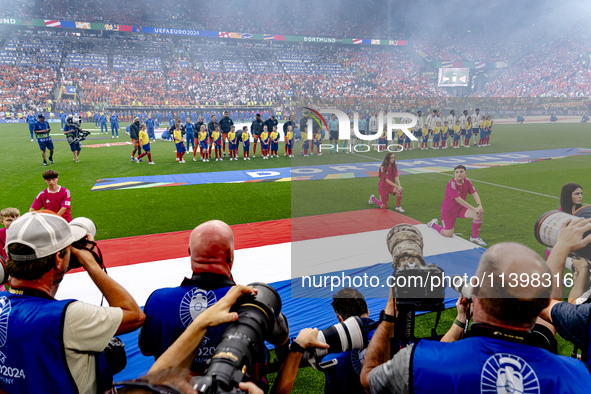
497, 353
53, 346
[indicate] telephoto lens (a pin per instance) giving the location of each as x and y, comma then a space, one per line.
548, 227
343, 337
243, 342
462, 286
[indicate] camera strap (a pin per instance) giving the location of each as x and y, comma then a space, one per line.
30, 293
484, 330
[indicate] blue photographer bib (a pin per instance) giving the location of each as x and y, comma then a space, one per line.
170, 311
490, 365
32, 358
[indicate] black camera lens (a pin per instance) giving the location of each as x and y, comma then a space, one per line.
243, 342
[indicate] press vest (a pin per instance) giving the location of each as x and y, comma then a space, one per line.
32, 355
490, 365
170, 311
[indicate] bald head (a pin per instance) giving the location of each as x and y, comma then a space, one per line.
211, 247
514, 299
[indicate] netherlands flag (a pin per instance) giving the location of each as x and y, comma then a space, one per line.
275, 252
53, 23
357, 41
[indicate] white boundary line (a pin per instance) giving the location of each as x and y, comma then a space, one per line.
506, 187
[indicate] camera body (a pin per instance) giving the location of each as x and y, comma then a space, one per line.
83, 243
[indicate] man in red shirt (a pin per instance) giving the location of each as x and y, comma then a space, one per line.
55, 198
455, 206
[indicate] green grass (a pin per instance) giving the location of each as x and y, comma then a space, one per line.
510, 214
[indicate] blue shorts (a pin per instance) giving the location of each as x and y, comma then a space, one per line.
231, 146
436, 138
418, 133
45, 144
482, 134
75, 146
475, 130
290, 144
426, 138
264, 146
462, 131
456, 137
306, 144
274, 146
400, 141
146, 147
245, 147
180, 147
407, 140
203, 145
444, 137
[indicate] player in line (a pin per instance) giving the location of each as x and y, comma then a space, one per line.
457, 134
274, 142
245, 143
203, 145
232, 140
144, 138
389, 183
289, 137
455, 206
265, 142
178, 141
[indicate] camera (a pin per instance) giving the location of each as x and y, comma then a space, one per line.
548, 226
411, 273
83, 243
77, 134
410, 281
243, 342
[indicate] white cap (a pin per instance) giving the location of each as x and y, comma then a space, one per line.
45, 233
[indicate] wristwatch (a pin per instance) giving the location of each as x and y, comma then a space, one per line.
386, 317
296, 347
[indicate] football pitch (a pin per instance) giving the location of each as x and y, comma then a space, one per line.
513, 196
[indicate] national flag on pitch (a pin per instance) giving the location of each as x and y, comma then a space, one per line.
235, 35
53, 23
125, 28
268, 36
446, 64
82, 25
224, 34
265, 252
479, 64
279, 37
375, 42
393, 42
69, 25
246, 36
357, 41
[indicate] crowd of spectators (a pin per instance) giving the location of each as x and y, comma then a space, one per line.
26, 87
558, 69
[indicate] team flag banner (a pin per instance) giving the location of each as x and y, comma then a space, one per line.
264, 252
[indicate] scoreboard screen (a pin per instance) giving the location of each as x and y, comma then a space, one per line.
453, 77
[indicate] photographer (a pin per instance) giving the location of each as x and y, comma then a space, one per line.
171, 370
71, 130
573, 322
498, 351
56, 346
169, 311
344, 377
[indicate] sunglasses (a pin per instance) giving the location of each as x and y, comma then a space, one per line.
154, 388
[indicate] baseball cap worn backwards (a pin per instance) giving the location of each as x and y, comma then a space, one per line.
45, 233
